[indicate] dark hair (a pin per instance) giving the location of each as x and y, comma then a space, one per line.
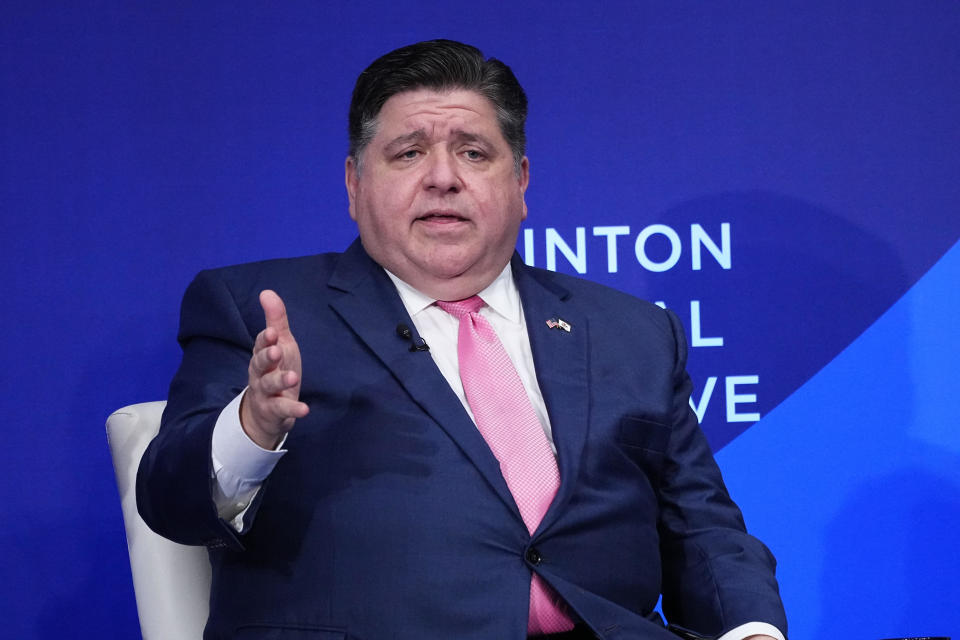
440, 65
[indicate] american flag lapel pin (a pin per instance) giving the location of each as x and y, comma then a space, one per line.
559, 323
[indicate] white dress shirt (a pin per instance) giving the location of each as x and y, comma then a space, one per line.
240, 465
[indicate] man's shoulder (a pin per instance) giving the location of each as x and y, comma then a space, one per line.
579, 291
290, 267
311, 271
240, 284
612, 313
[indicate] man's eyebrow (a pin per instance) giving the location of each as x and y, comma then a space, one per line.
399, 141
467, 136
459, 135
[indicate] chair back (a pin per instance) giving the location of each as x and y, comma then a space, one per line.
171, 581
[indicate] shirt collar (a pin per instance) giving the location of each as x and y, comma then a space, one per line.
501, 296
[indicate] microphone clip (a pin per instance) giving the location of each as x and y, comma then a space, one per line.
416, 342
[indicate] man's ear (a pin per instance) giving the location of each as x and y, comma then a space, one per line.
352, 179
524, 179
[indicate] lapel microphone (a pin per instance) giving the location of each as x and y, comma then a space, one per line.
416, 342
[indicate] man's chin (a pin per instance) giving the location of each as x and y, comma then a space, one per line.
453, 281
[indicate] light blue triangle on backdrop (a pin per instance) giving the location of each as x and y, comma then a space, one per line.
854, 480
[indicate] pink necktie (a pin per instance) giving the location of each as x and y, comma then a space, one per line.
507, 421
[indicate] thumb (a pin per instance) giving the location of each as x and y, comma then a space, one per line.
274, 311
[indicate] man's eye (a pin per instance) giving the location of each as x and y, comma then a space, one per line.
409, 154
473, 154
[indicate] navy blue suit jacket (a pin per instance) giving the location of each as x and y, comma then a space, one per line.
389, 518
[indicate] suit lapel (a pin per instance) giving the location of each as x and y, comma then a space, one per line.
369, 303
560, 358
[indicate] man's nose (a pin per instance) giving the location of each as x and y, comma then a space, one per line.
442, 173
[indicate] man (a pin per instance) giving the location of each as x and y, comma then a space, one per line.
431, 439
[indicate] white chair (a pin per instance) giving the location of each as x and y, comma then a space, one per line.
171, 581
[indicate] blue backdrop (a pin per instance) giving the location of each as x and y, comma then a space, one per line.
782, 174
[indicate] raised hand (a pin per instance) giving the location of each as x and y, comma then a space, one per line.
272, 401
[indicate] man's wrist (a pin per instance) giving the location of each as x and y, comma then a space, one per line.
753, 631
236, 456
263, 439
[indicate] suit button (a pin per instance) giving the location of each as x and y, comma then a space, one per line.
533, 556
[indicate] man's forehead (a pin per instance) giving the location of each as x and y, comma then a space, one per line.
424, 115
432, 104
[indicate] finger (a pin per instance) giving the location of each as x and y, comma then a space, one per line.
265, 338
278, 381
274, 311
287, 408
265, 419
265, 360
278, 410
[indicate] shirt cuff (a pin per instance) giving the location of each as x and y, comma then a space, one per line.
239, 464
752, 629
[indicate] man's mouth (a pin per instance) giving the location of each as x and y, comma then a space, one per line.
442, 217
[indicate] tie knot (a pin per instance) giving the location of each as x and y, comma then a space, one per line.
460, 308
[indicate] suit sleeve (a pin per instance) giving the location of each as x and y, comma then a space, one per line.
174, 481
715, 575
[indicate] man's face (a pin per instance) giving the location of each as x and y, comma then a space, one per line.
438, 201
